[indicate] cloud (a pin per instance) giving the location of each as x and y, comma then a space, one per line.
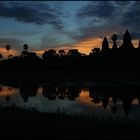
134, 35
122, 3
59, 38
27, 12
131, 19
96, 32
103, 18
84, 46
102, 9
96, 19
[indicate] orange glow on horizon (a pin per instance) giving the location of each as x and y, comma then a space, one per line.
85, 98
7, 91
84, 46
12, 52
40, 52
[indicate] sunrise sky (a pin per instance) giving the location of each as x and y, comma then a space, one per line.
45, 25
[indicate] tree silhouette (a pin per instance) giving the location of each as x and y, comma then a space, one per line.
62, 52
24, 53
74, 53
8, 47
25, 47
1, 56
114, 38
49, 54
94, 51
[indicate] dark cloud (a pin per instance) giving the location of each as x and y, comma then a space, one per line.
57, 40
122, 3
131, 19
99, 18
107, 17
134, 35
92, 31
103, 9
31, 13
83, 33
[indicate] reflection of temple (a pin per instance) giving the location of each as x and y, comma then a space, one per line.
127, 101
105, 101
101, 96
114, 107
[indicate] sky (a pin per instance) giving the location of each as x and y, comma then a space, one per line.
66, 25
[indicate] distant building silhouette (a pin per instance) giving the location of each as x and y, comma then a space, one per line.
127, 40
105, 101
139, 44
105, 44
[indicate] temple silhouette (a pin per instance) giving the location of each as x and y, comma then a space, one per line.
124, 56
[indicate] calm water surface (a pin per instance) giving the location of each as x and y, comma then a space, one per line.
104, 102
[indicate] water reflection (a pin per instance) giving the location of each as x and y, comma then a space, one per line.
27, 90
49, 91
6, 92
80, 95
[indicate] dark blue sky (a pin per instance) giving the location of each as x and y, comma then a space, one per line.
66, 24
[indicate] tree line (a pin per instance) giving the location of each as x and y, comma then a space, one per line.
125, 55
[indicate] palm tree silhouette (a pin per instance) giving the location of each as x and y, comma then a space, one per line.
25, 47
24, 53
8, 47
114, 38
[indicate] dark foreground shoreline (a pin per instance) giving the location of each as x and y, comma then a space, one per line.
70, 74
17, 123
